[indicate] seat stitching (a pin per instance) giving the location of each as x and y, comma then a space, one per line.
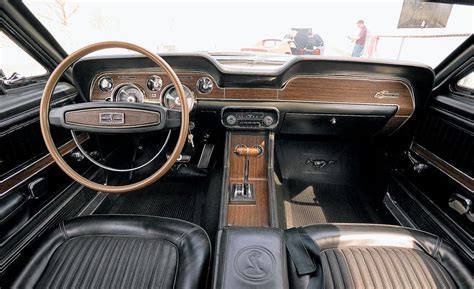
121, 255
149, 260
162, 270
349, 268
397, 274
380, 268
440, 271
422, 268
340, 266
392, 282
64, 261
375, 271
372, 283
409, 266
337, 268
82, 264
404, 269
325, 261
358, 267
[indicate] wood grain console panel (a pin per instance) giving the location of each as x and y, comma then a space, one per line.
249, 214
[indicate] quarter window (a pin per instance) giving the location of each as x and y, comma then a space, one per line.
467, 82
13, 59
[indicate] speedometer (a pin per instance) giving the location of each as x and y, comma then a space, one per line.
129, 93
170, 98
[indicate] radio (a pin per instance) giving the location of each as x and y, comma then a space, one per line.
249, 118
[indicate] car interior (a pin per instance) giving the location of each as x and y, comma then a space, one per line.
191, 170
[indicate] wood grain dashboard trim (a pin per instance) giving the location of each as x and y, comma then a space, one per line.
139, 78
301, 88
349, 90
321, 88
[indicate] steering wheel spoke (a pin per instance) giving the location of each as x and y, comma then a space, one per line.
114, 117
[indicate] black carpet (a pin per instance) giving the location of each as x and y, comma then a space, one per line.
181, 199
308, 203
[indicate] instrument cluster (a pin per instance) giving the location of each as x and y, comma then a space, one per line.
147, 87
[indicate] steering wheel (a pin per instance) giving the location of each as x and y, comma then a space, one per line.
113, 117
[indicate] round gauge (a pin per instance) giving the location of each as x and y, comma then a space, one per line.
106, 83
170, 98
129, 93
204, 85
154, 83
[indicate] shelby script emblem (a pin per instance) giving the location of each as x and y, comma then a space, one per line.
111, 118
386, 94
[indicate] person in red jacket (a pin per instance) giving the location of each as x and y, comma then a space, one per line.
359, 40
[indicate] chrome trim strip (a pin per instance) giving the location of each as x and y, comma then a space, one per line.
39, 169
225, 183
432, 159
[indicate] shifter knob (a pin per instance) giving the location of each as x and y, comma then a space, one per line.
243, 150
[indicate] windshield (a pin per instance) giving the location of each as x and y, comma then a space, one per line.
265, 33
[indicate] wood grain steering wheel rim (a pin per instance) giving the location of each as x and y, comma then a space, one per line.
45, 125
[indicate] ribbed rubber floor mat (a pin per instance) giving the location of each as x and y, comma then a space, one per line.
177, 200
322, 203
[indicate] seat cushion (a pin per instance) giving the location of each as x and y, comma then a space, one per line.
120, 252
382, 256
382, 267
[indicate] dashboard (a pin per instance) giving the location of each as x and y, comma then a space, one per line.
309, 95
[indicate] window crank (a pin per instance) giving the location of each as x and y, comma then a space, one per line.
418, 167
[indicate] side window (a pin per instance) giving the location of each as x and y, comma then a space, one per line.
13, 59
467, 82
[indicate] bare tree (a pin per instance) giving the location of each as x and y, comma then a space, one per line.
61, 12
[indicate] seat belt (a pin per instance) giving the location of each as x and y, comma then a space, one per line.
305, 254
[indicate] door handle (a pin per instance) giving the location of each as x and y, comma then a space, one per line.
462, 206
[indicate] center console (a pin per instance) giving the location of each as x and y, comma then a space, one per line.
248, 197
250, 246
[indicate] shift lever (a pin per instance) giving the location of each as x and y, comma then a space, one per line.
245, 192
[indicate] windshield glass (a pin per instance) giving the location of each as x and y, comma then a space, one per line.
265, 33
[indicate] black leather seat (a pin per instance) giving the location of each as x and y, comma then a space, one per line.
381, 256
114, 251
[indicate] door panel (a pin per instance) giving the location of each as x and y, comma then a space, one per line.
432, 187
34, 193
